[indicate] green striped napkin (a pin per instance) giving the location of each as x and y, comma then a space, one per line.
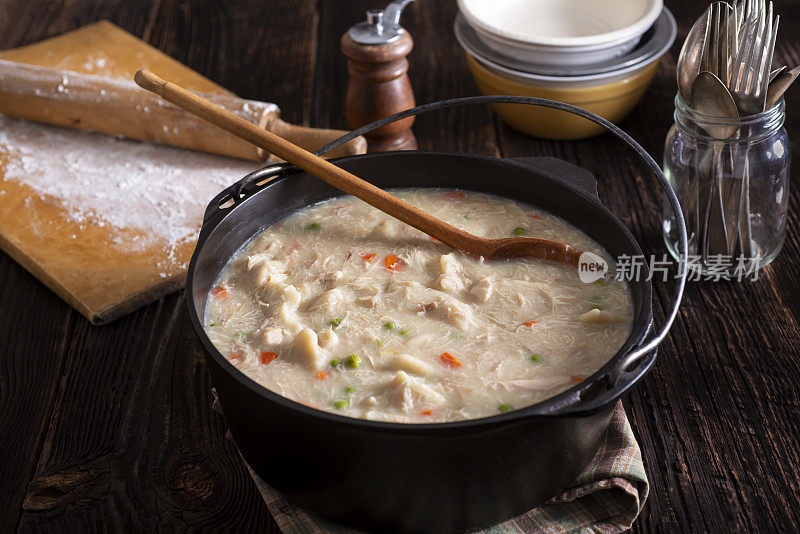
607, 497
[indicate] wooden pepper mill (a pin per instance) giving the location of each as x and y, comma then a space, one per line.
378, 84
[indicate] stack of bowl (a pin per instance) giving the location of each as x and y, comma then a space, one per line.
600, 55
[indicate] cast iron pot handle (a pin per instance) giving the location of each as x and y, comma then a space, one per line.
625, 367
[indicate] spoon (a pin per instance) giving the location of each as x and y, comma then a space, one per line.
489, 249
711, 97
779, 85
691, 55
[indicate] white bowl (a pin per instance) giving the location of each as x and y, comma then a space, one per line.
655, 41
561, 32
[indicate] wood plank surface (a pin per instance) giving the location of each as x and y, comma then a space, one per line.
110, 428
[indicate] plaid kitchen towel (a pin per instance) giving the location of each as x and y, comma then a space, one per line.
607, 497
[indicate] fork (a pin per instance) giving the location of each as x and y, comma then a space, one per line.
721, 40
753, 61
750, 76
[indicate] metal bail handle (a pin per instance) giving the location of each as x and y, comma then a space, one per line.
683, 241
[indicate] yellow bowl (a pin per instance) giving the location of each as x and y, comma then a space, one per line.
611, 99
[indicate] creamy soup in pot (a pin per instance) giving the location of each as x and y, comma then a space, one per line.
345, 309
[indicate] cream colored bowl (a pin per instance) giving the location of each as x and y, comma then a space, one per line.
612, 96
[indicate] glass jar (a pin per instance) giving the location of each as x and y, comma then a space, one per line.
731, 177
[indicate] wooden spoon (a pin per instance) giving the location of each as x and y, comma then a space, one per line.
490, 249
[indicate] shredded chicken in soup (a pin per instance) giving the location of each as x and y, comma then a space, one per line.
345, 309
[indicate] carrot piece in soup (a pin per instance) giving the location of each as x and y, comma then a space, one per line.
393, 263
427, 412
219, 292
448, 360
576, 378
529, 323
265, 358
369, 257
322, 375
237, 355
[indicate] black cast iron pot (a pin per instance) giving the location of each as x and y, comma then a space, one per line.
441, 477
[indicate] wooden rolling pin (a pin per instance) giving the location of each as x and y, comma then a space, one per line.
120, 107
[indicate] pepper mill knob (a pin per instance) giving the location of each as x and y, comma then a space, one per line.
378, 83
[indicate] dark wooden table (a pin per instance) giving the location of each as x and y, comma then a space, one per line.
111, 428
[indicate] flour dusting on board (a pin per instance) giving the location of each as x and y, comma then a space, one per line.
123, 185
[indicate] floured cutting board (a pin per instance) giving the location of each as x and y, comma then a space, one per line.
106, 223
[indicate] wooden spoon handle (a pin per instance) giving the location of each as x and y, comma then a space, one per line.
319, 167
